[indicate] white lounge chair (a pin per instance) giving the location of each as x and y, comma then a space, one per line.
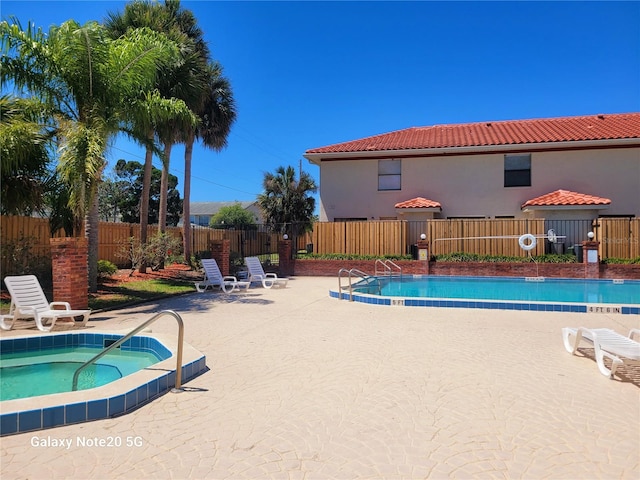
29, 301
213, 278
606, 343
256, 274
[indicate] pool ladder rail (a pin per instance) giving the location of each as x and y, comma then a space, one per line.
119, 342
388, 267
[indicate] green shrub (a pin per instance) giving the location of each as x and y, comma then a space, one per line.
106, 268
158, 250
622, 261
346, 256
473, 257
20, 258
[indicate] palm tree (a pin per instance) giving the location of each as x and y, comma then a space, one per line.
180, 81
25, 147
94, 85
286, 202
217, 113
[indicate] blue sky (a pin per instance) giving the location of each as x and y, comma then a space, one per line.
310, 74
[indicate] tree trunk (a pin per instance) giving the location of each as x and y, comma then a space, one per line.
164, 188
144, 198
92, 221
186, 208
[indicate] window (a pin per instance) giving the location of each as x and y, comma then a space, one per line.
389, 174
517, 170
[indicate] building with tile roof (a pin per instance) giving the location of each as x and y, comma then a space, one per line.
570, 167
201, 212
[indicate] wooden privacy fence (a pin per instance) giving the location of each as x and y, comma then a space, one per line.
360, 238
28, 237
444, 236
484, 237
618, 237
22, 237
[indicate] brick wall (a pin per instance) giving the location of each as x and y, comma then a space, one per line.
330, 268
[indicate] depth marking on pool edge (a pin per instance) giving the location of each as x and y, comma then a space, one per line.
604, 308
397, 302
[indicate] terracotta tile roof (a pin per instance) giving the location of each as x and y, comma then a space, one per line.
418, 202
511, 132
565, 198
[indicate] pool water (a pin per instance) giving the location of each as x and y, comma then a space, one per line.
29, 374
625, 292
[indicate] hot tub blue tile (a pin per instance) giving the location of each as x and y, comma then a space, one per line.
30, 420
142, 394
52, 417
59, 341
130, 400
153, 388
163, 381
116, 405
97, 409
8, 423
76, 412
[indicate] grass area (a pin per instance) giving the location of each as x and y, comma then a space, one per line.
111, 297
137, 291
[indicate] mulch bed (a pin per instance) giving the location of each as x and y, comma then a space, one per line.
174, 271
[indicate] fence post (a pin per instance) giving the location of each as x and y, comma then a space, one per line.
423, 254
220, 250
591, 259
286, 262
70, 273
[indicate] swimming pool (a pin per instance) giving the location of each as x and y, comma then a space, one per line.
116, 398
31, 373
507, 293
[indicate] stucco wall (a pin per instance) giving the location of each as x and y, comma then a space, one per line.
473, 185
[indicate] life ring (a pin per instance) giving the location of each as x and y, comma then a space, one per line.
527, 242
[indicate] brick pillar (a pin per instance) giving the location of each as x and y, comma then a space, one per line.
591, 259
286, 264
220, 252
423, 254
70, 273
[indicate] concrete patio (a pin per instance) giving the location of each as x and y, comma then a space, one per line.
302, 386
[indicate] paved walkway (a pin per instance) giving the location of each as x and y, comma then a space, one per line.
302, 386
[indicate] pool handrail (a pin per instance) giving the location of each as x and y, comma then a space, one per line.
387, 267
120, 341
354, 272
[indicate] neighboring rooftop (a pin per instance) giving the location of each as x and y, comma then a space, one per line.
211, 208
510, 132
565, 198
